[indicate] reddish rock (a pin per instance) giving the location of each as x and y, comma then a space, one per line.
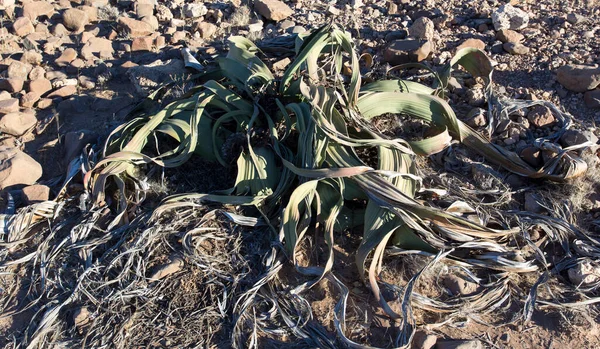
142, 44
64, 92
28, 100
405, 51
508, 35
177, 37
540, 116
4, 95
128, 64
143, 9
135, 28
66, 57
11, 85
578, 78
44, 103
207, 30
532, 156
35, 9
152, 21
474, 43
92, 12
37, 73
97, 45
16, 124
160, 42
18, 70
10, 105
23, 26
17, 168
36, 193
75, 19
274, 10
40, 86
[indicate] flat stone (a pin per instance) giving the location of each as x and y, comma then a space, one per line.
474, 43
40, 86
23, 26
135, 28
64, 92
36, 193
515, 49
405, 51
578, 78
10, 105
162, 271
75, 19
143, 43
29, 99
459, 286
274, 10
17, 168
11, 85
592, 99
507, 35
17, 123
97, 45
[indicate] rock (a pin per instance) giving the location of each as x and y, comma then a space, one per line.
405, 51
477, 120
152, 21
584, 274
36, 193
64, 92
74, 142
459, 344
575, 18
147, 77
507, 35
44, 103
515, 49
37, 73
81, 317
161, 271
532, 156
16, 124
532, 204
11, 85
476, 96
163, 14
18, 70
143, 43
135, 28
422, 28
578, 78
97, 45
17, 168
4, 4
28, 100
540, 116
274, 10
474, 43
459, 286
396, 35
144, 9
10, 105
31, 57
35, 9
23, 26
422, 340
75, 19
206, 30
67, 56
194, 10
92, 12
575, 137
60, 30
509, 17
4, 95
177, 37
255, 26
40, 86
592, 99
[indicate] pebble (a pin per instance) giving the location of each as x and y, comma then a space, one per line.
274, 10
515, 49
507, 35
36, 193
17, 168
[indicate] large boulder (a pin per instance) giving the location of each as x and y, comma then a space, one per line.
16, 124
578, 78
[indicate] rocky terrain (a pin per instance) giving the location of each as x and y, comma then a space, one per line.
70, 71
